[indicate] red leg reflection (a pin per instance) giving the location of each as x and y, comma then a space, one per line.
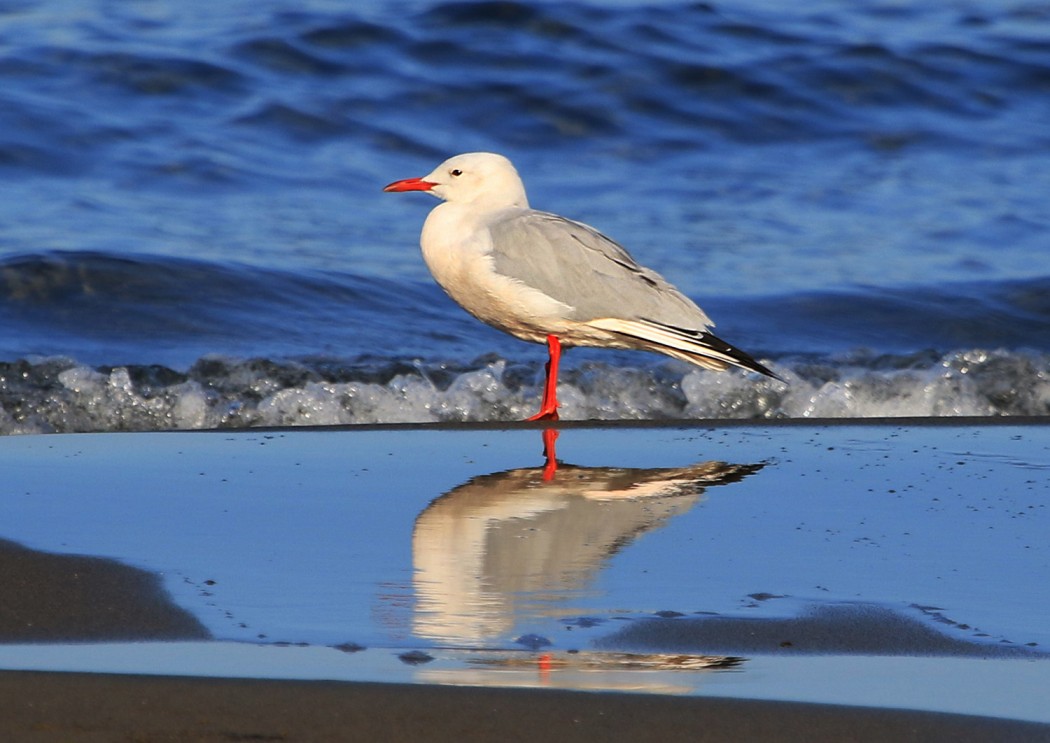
550, 435
549, 404
544, 664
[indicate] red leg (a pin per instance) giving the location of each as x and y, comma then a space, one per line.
549, 404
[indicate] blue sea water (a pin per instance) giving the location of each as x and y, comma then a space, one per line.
193, 234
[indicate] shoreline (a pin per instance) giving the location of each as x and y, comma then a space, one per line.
958, 421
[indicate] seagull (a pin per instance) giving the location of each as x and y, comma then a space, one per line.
547, 279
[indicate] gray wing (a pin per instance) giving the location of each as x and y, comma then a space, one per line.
577, 265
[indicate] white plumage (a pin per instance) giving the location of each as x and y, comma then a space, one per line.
545, 278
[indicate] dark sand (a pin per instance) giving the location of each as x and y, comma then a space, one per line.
85, 707
56, 598
837, 629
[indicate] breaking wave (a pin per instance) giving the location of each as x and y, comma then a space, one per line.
60, 395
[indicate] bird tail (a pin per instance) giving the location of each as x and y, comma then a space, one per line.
694, 346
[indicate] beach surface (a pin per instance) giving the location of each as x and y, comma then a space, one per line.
84, 707
806, 580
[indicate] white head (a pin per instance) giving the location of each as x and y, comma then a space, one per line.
481, 179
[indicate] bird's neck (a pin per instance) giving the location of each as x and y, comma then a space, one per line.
505, 196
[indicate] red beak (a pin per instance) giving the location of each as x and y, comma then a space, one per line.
410, 184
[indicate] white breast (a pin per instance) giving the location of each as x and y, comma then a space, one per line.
457, 247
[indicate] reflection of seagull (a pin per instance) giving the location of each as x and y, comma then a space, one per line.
603, 661
659, 673
513, 542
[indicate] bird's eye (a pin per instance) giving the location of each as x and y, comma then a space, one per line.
455, 172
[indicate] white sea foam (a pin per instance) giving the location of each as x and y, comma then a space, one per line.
57, 395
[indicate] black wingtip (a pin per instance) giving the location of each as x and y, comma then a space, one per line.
740, 358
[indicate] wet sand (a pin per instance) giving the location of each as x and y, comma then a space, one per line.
86, 707
56, 598
50, 598
53, 598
